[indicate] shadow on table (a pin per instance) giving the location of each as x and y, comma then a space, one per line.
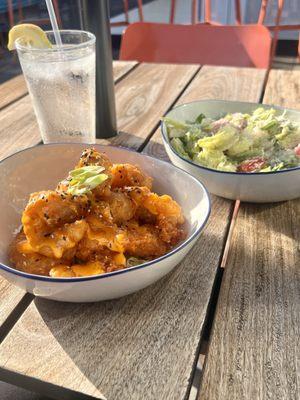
128, 140
11, 392
116, 343
281, 217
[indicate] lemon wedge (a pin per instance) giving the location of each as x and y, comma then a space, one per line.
30, 34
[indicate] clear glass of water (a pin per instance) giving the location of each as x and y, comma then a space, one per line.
61, 83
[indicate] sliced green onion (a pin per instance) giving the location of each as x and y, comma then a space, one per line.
86, 179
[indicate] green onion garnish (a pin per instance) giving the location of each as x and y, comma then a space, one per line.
85, 179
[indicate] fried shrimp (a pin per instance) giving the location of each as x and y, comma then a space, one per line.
95, 220
167, 213
53, 223
122, 206
26, 259
143, 241
129, 175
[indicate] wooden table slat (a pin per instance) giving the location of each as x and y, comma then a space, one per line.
15, 88
18, 127
10, 298
283, 89
144, 96
254, 351
12, 90
121, 68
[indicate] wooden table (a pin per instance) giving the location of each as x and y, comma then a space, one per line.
233, 304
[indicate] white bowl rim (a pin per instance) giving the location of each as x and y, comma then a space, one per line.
167, 141
125, 270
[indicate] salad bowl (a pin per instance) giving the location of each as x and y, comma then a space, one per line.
259, 187
43, 166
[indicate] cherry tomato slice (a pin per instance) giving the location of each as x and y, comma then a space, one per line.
255, 164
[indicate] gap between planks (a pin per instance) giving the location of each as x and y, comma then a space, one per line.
208, 324
148, 138
15, 314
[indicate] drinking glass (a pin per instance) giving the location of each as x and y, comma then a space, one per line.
61, 83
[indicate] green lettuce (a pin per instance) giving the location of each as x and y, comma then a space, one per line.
179, 147
223, 140
288, 138
215, 159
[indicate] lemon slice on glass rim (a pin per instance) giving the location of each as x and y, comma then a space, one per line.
30, 35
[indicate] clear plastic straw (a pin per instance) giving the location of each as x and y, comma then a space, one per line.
53, 21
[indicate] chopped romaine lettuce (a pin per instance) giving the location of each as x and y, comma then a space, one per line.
289, 138
178, 146
200, 118
241, 146
215, 159
277, 167
223, 140
264, 140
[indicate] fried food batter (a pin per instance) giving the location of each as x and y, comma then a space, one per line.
84, 227
53, 223
129, 175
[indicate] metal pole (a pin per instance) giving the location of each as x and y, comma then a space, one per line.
95, 18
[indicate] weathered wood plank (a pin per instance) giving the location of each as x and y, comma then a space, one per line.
18, 127
223, 83
254, 350
12, 90
128, 348
15, 88
144, 96
283, 88
10, 297
227, 83
121, 68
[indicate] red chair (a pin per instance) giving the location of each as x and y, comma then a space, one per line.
242, 46
126, 9
278, 27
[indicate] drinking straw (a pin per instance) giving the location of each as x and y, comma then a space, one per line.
53, 21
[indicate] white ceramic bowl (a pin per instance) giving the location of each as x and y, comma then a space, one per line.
251, 187
41, 168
